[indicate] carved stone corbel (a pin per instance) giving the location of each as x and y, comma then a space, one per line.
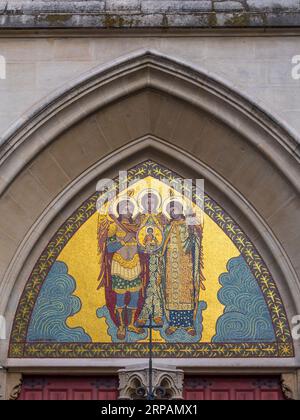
167, 383
290, 386
13, 386
3, 375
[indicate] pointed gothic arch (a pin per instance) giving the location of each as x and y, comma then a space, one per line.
104, 90
264, 335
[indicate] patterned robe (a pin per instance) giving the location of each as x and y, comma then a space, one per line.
182, 273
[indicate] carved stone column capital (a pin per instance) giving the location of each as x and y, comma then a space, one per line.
167, 382
291, 385
10, 385
13, 386
3, 374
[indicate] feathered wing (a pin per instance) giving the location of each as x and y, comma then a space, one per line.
105, 259
103, 227
198, 266
199, 257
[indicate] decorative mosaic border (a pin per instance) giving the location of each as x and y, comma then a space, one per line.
162, 350
19, 348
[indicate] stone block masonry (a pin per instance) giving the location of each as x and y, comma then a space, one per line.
137, 14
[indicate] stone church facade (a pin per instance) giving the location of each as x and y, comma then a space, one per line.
166, 91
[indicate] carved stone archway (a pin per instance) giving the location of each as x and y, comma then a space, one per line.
169, 90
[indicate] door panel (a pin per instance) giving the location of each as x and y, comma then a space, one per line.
232, 388
244, 395
72, 388
220, 395
83, 395
195, 388
32, 395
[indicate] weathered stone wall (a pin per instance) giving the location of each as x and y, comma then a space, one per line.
40, 63
259, 67
149, 13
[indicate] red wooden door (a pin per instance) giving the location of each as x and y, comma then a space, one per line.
69, 388
195, 388
232, 388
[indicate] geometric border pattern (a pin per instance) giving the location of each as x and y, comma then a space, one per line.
19, 348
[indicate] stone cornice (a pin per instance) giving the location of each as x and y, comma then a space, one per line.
139, 14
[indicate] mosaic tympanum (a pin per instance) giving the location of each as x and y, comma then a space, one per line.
130, 252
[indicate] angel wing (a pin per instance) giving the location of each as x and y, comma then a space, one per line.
103, 228
200, 255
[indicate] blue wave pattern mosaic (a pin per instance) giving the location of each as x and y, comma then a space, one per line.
180, 336
244, 329
54, 305
246, 316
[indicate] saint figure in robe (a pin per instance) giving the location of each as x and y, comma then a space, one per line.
152, 219
182, 276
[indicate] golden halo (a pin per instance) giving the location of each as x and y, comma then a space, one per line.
114, 206
146, 192
170, 200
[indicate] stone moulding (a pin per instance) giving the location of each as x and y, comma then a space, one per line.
137, 14
130, 74
108, 83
